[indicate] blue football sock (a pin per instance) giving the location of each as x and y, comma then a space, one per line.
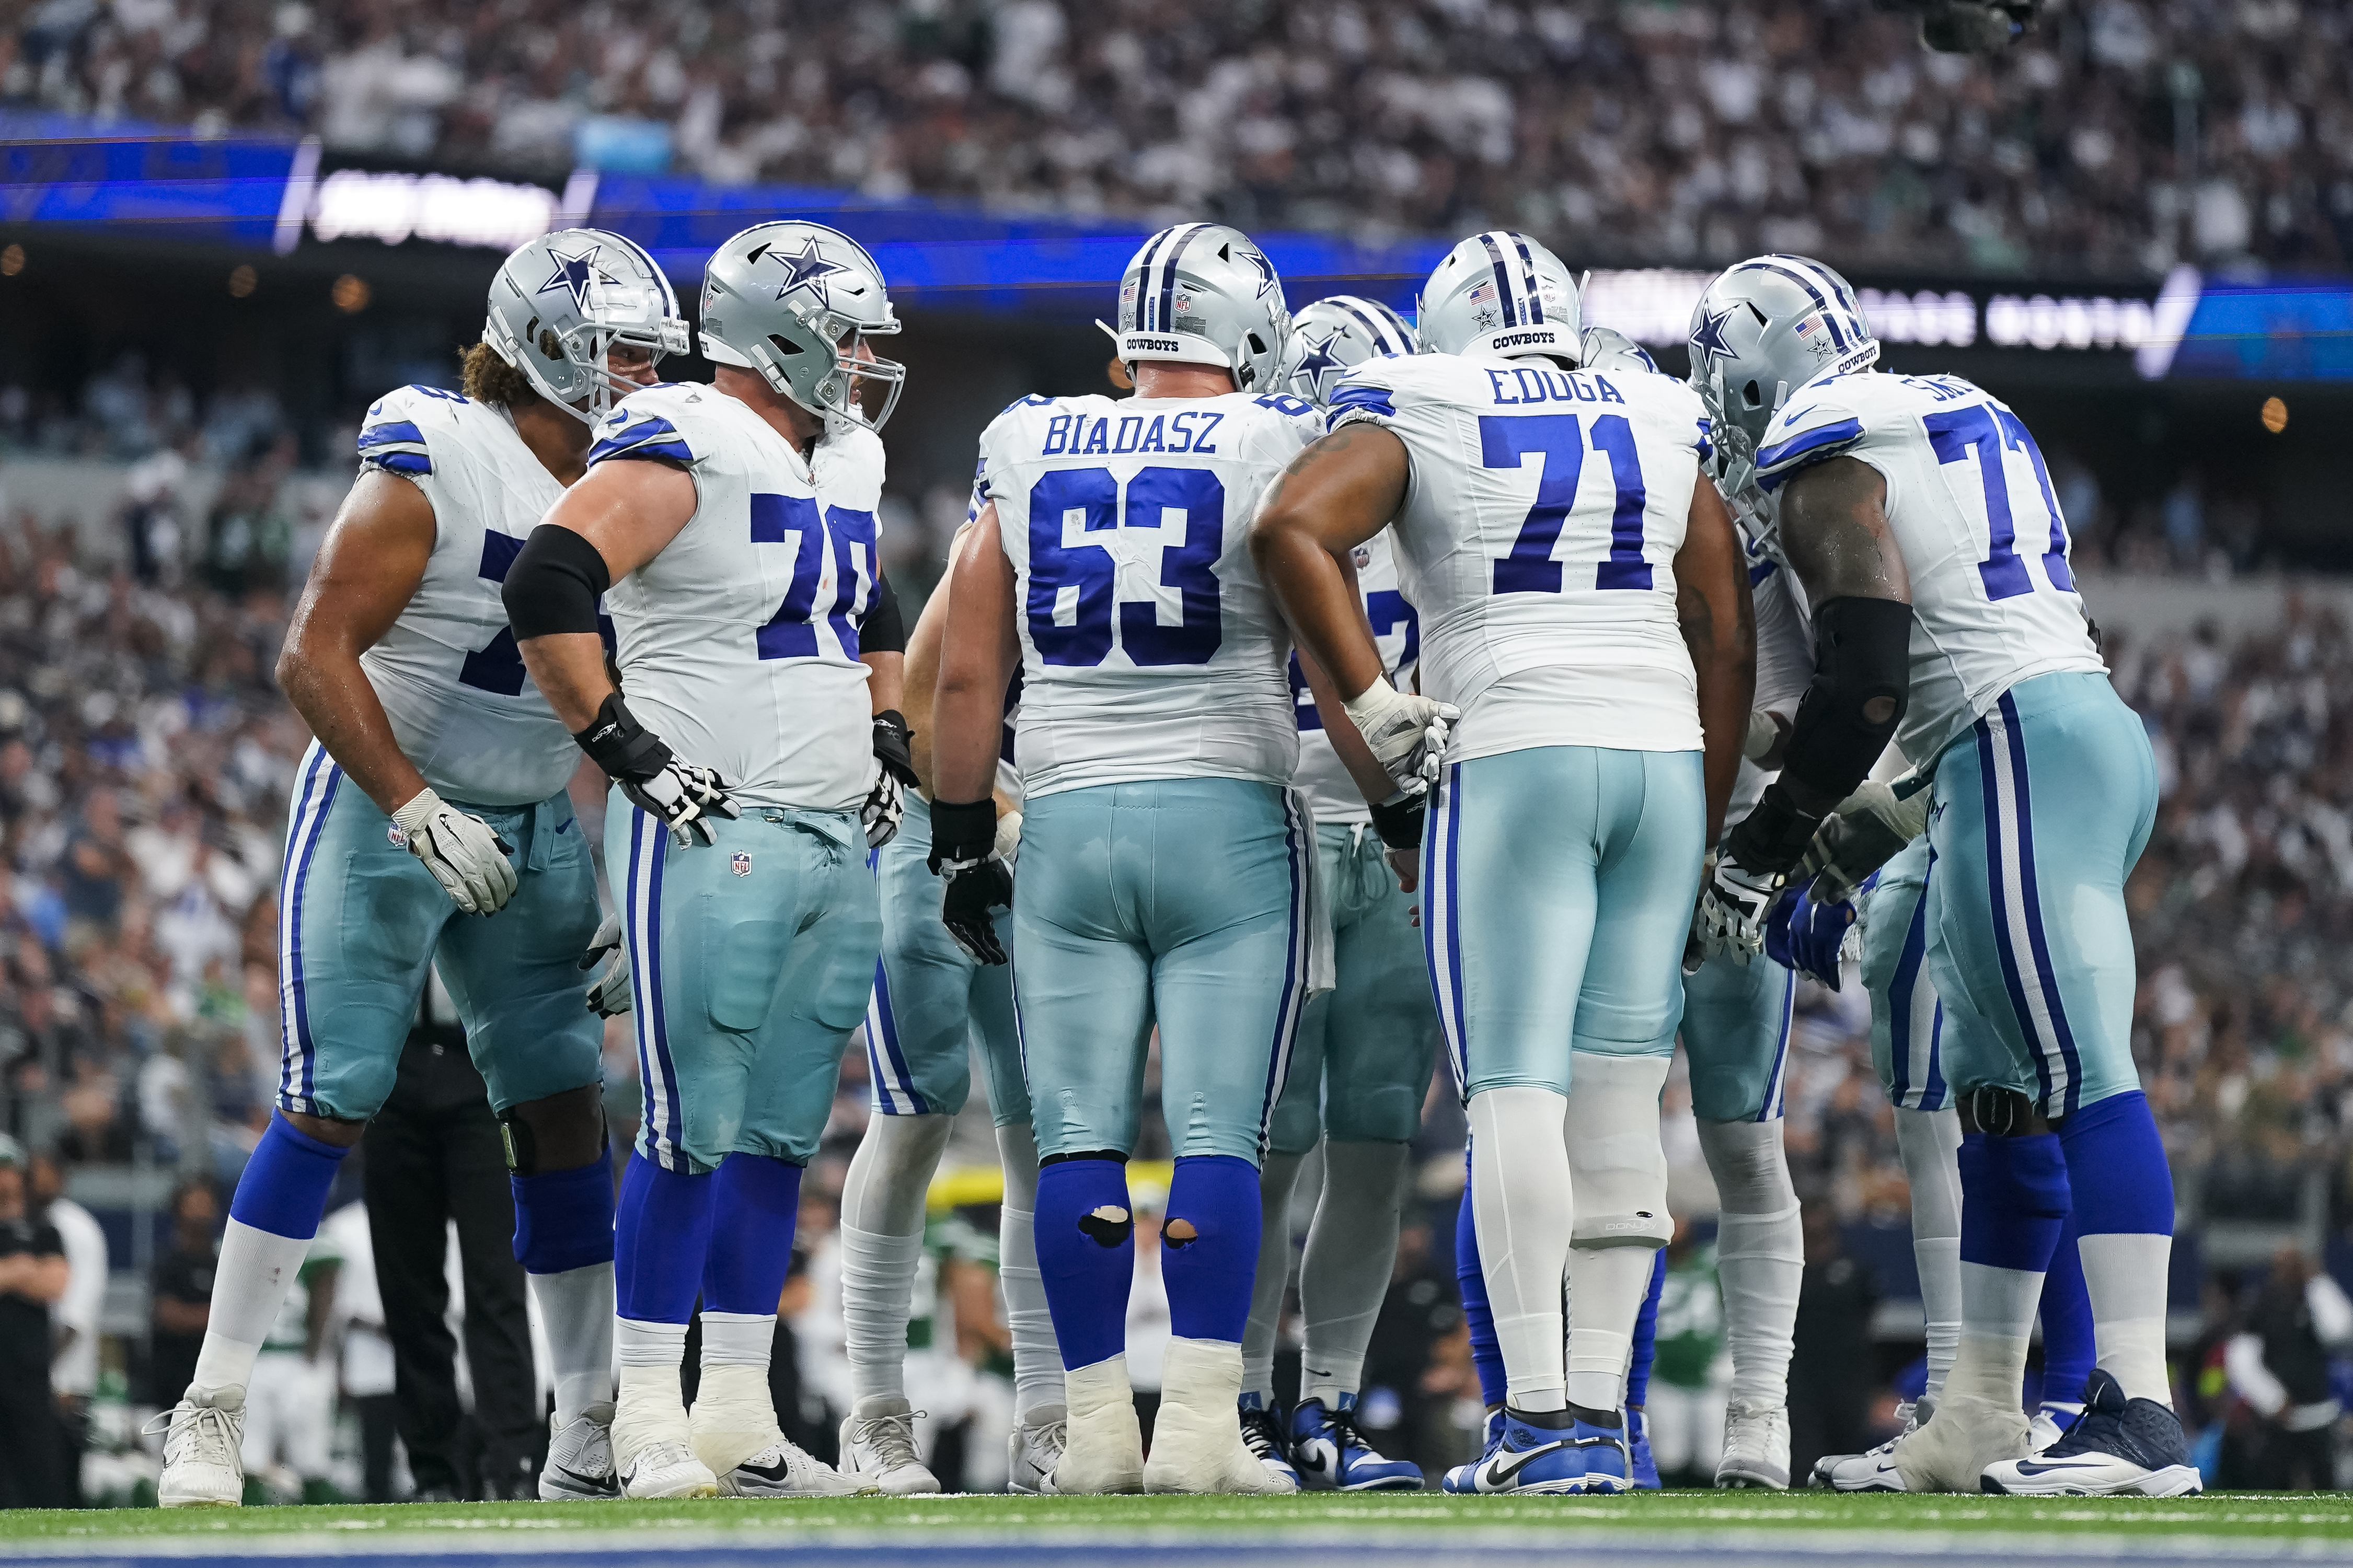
2124, 1220
1086, 1252
1208, 1276
663, 1232
2066, 1310
755, 1200
2013, 1202
1471, 1280
564, 1219
1646, 1336
284, 1188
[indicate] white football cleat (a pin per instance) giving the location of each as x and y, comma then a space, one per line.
1103, 1446
1035, 1449
1755, 1446
1950, 1451
202, 1464
785, 1469
878, 1445
1197, 1441
580, 1465
653, 1451
1874, 1469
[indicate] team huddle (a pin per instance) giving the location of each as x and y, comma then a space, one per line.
1353, 691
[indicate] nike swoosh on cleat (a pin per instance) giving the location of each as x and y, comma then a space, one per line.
594, 1483
1498, 1472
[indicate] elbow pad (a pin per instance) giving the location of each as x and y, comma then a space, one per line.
1863, 654
884, 629
554, 585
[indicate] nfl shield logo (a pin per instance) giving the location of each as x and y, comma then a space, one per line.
399, 839
742, 864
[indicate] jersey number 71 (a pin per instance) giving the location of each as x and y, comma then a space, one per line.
1557, 442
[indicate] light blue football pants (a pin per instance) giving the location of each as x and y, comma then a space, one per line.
1736, 1035
1179, 902
2041, 809
1362, 1063
932, 1004
1908, 1020
752, 959
360, 919
1557, 890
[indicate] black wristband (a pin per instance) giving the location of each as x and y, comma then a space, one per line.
962, 831
1399, 823
618, 743
1772, 837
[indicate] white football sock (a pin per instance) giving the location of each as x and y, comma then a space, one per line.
2124, 1274
1611, 1127
1998, 1308
883, 1245
1519, 1196
640, 1343
255, 1269
1037, 1355
1276, 1178
1760, 1254
738, 1339
1345, 1273
578, 1307
1930, 1142
1606, 1286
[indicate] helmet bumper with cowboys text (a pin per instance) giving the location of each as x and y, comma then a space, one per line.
1763, 329
1504, 296
1607, 348
1202, 293
1333, 336
562, 302
797, 302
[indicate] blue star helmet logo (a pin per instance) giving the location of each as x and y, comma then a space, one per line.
1320, 357
1266, 279
577, 275
807, 270
1707, 338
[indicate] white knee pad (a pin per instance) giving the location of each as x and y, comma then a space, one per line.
1614, 1157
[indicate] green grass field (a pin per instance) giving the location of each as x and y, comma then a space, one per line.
1391, 1518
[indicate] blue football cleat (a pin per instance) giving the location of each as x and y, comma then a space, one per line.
1329, 1454
1463, 1478
1579, 1458
2118, 1448
1638, 1454
1262, 1434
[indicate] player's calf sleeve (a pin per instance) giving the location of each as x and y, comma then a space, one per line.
1276, 1179
2124, 1219
1612, 1130
1646, 1335
1208, 1246
2013, 1201
1344, 1272
1470, 1281
661, 1234
1029, 1322
1520, 1187
271, 1221
1760, 1254
883, 1245
1929, 1143
1085, 1237
2069, 1347
563, 1239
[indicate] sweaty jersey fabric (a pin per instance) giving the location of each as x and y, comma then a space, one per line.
1331, 794
449, 673
738, 644
1970, 499
1149, 648
1537, 540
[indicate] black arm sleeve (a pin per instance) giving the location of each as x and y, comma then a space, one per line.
554, 585
884, 629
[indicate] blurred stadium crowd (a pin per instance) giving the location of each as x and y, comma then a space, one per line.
2125, 135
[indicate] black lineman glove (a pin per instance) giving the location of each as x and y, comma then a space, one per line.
681, 796
964, 853
1398, 822
892, 741
886, 804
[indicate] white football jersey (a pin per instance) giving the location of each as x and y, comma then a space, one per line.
448, 674
1332, 794
1785, 661
1539, 538
1993, 599
1149, 648
738, 644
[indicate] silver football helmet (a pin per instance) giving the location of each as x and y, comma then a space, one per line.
1503, 294
1202, 293
1763, 330
796, 301
1334, 335
561, 304
1607, 348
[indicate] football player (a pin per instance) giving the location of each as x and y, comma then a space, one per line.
1585, 611
429, 824
1918, 515
1362, 1062
731, 529
933, 1003
1164, 866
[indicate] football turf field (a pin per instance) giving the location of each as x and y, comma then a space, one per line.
1670, 1530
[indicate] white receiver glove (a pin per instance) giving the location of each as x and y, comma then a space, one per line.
610, 995
1865, 832
1407, 735
1008, 835
1730, 920
464, 853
